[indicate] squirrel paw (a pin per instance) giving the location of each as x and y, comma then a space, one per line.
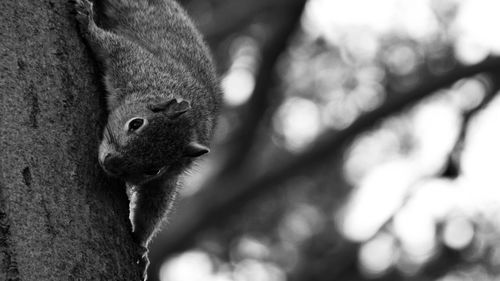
84, 12
142, 261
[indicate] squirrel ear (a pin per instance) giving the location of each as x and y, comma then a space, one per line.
174, 108
194, 149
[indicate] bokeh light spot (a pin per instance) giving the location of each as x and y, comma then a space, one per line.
458, 232
298, 120
377, 255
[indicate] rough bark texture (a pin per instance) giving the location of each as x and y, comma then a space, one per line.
60, 217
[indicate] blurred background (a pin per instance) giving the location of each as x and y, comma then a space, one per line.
358, 141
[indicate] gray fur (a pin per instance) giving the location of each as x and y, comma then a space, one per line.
157, 69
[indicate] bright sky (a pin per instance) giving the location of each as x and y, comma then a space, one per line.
382, 16
475, 25
476, 19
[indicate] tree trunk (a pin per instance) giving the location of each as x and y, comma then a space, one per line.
60, 217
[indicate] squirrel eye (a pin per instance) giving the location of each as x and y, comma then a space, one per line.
135, 124
152, 172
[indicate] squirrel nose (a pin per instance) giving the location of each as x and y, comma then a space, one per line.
111, 165
107, 156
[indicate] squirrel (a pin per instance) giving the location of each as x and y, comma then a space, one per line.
163, 99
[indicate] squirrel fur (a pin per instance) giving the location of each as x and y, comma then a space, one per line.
162, 95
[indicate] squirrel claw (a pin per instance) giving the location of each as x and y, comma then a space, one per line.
142, 261
84, 11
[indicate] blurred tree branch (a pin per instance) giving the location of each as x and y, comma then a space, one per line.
340, 262
446, 261
232, 16
453, 165
326, 260
318, 265
233, 192
255, 109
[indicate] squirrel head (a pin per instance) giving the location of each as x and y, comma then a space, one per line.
144, 141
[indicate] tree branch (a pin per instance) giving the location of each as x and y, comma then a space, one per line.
233, 15
206, 208
255, 109
446, 261
61, 218
453, 166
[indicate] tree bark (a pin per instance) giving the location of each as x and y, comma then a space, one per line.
60, 217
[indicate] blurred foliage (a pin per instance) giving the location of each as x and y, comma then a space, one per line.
411, 199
